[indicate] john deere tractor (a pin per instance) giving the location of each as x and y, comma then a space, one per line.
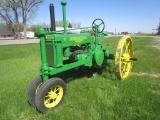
61, 51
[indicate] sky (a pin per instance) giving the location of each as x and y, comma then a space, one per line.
121, 15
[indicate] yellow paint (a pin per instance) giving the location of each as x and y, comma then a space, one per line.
64, 39
49, 37
53, 96
78, 38
38, 87
124, 52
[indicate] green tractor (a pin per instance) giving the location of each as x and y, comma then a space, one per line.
61, 51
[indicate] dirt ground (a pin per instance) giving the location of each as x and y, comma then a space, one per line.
157, 42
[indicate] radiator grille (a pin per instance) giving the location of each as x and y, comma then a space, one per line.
49, 52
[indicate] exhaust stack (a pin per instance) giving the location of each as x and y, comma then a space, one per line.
52, 16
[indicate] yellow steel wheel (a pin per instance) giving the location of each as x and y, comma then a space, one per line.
124, 53
50, 94
53, 96
33, 89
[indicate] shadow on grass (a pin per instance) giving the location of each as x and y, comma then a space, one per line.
81, 72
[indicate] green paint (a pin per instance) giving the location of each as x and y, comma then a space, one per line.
64, 3
61, 52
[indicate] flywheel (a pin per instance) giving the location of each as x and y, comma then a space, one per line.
123, 57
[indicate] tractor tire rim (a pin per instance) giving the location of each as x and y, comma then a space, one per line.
53, 96
38, 87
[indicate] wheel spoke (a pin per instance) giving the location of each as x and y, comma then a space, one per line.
100, 24
124, 69
47, 101
53, 89
123, 59
56, 90
127, 48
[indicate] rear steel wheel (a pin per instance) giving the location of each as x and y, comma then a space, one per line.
50, 94
33, 89
124, 53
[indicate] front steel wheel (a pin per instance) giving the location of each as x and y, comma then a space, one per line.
50, 94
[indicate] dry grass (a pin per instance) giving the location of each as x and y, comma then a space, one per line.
146, 74
157, 42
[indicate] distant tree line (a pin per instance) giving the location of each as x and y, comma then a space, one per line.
69, 24
35, 27
16, 13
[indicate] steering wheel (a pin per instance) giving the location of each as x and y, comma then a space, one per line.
98, 22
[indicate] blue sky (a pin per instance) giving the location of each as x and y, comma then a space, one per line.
122, 15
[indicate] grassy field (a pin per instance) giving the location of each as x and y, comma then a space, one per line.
100, 97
